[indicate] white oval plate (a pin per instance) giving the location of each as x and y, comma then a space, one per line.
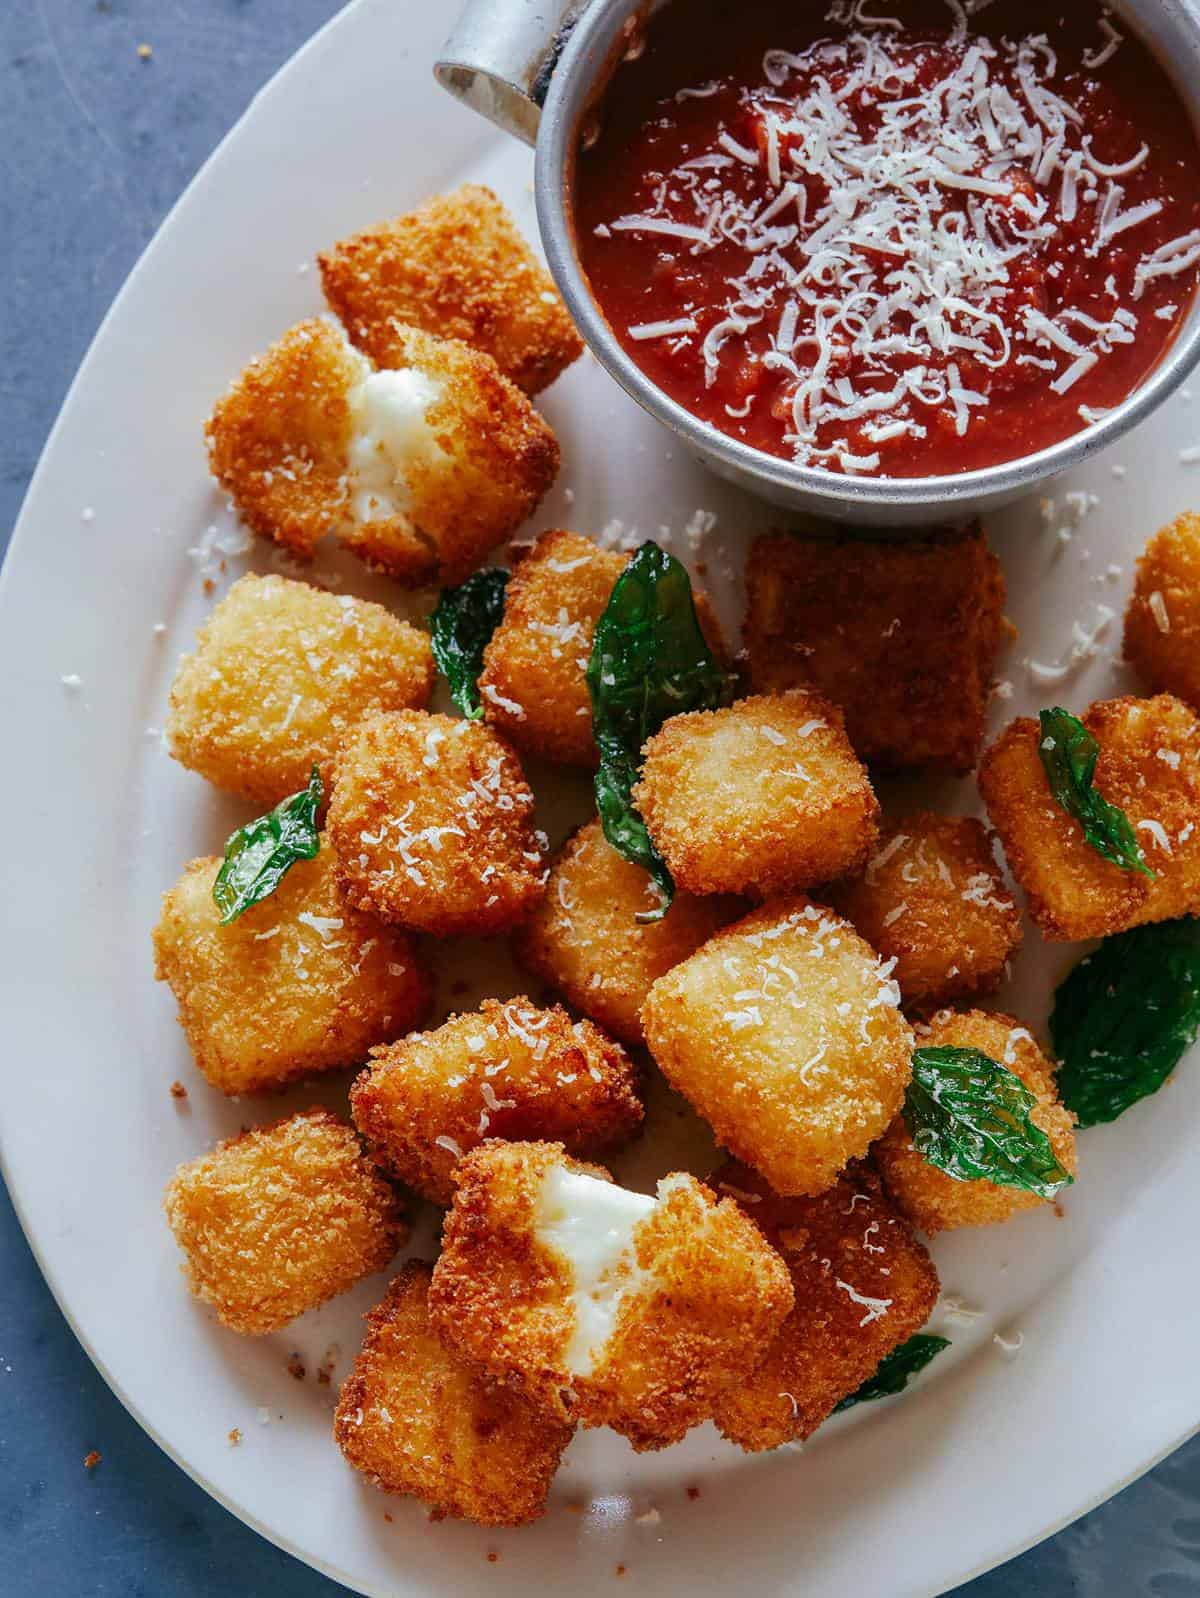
993, 1451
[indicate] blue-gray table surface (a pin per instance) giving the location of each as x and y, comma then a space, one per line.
96, 142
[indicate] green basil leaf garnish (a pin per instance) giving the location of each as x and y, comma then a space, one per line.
1069, 754
1125, 1017
969, 1115
462, 627
896, 1370
259, 855
650, 661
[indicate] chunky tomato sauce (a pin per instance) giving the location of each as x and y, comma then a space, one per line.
903, 238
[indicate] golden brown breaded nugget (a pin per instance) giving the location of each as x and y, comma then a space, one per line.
281, 1218
1149, 766
863, 1286
761, 798
533, 683
533, 680
608, 1307
298, 984
458, 267
447, 458
432, 823
509, 1070
1162, 623
930, 1199
784, 1032
280, 673
584, 938
277, 439
903, 636
934, 901
417, 1418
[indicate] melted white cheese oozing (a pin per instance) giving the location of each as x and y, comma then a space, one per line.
591, 1225
391, 432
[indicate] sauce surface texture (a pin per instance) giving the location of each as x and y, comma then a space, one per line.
895, 239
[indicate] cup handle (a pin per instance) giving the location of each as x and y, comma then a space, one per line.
501, 56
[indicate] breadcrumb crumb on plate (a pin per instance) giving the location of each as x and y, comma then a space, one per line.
784, 1032
416, 1417
457, 267
608, 1307
936, 1202
507, 1070
933, 899
298, 984
280, 1219
281, 672
584, 937
903, 636
863, 1285
432, 824
1162, 622
763, 797
1149, 767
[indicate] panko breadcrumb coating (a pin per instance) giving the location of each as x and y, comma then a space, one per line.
275, 1221
584, 937
863, 1285
299, 983
934, 900
277, 438
508, 1070
903, 636
417, 1418
1162, 623
930, 1199
432, 823
607, 1307
421, 469
1149, 766
760, 798
280, 673
458, 267
784, 1032
533, 683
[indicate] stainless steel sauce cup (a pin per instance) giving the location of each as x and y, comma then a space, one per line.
536, 68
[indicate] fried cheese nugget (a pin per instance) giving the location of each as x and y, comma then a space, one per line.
1162, 622
863, 1285
457, 267
761, 798
280, 1219
605, 1306
281, 672
432, 825
934, 901
509, 1070
533, 684
1149, 766
417, 1418
421, 469
299, 983
584, 937
936, 1202
903, 636
784, 1032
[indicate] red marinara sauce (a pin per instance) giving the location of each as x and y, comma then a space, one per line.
903, 238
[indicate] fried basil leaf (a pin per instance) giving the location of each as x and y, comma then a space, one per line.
969, 1116
649, 661
1125, 1017
896, 1370
259, 855
463, 624
1069, 754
